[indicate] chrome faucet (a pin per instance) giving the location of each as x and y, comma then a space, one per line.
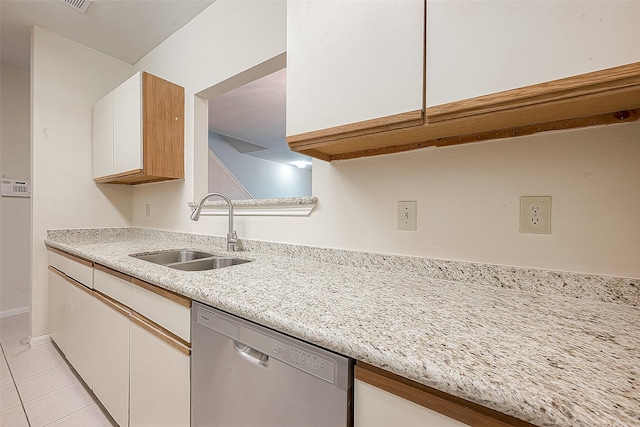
232, 237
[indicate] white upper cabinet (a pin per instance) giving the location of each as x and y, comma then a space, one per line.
103, 136
353, 61
138, 132
477, 48
127, 125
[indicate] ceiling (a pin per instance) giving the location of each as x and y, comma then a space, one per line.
251, 119
123, 29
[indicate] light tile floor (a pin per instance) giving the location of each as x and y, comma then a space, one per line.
37, 386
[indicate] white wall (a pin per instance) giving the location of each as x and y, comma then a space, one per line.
15, 213
467, 196
227, 38
66, 80
264, 179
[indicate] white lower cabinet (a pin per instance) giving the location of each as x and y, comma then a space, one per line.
128, 340
57, 295
71, 314
79, 323
141, 367
160, 379
375, 407
111, 357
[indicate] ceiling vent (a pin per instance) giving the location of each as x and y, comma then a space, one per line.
79, 5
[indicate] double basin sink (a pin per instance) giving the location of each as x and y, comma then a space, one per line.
188, 260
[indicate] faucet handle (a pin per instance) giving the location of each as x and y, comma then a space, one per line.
232, 242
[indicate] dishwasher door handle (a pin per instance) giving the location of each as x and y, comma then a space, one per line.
251, 354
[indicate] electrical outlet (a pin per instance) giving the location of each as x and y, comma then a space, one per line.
147, 210
535, 214
407, 212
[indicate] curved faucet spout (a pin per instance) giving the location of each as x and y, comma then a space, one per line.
232, 238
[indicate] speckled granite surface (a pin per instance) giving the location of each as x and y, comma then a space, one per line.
257, 203
548, 358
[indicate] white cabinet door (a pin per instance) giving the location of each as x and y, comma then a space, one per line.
111, 358
127, 125
160, 381
477, 48
374, 407
350, 61
57, 304
79, 329
103, 136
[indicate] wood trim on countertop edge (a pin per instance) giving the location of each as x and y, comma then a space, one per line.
451, 406
161, 333
70, 256
71, 281
173, 296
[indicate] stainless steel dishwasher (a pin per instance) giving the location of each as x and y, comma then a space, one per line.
245, 375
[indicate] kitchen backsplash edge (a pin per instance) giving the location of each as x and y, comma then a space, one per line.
618, 290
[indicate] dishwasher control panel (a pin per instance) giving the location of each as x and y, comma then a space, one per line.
270, 343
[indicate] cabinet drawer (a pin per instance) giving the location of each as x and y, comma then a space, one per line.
167, 309
113, 284
77, 268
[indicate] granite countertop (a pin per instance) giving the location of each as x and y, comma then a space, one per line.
552, 360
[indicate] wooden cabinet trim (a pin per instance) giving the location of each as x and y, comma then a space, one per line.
114, 273
593, 99
359, 129
71, 281
163, 127
175, 297
132, 174
163, 105
158, 331
117, 306
71, 257
443, 403
585, 86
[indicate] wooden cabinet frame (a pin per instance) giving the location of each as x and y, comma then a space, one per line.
602, 97
162, 135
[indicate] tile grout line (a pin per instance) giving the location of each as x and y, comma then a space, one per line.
69, 414
16, 387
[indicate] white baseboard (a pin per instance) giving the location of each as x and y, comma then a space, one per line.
42, 339
14, 311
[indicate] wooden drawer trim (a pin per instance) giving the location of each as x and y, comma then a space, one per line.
175, 297
71, 281
71, 257
443, 403
120, 308
114, 273
158, 331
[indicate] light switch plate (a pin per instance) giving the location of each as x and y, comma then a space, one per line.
407, 212
535, 214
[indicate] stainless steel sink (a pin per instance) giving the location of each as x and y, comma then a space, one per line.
165, 258
208, 263
187, 260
